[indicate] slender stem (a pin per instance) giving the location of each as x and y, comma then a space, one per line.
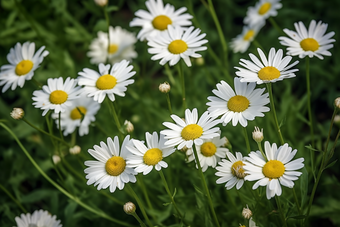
257, 44
269, 87
281, 211
330, 129
13, 198
59, 127
169, 102
169, 73
204, 184
297, 202
246, 138
333, 148
180, 72
108, 31
135, 215
140, 204
62, 190
115, 117
276, 26
38, 84
309, 103
261, 150
140, 182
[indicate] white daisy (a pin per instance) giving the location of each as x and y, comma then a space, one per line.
158, 18
102, 83
243, 40
231, 171
209, 153
121, 46
23, 62
240, 106
278, 170
261, 11
80, 114
311, 42
274, 69
37, 219
191, 130
144, 158
176, 44
110, 170
56, 95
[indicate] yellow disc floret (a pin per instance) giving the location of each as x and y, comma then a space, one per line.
23, 67
250, 34
152, 156
238, 103
191, 132
273, 169
115, 166
161, 22
58, 97
264, 8
77, 112
208, 149
309, 44
237, 169
269, 73
113, 48
177, 46
106, 82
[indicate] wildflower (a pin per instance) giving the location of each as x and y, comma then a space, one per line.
261, 11
246, 212
164, 87
258, 135
129, 208
38, 218
17, 113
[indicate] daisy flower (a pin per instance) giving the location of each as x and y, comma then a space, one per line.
120, 47
242, 41
261, 11
176, 44
278, 170
38, 218
146, 157
23, 62
231, 171
106, 82
240, 106
311, 42
56, 95
190, 130
158, 18
80, 114
270, 70
110, 170
210, 152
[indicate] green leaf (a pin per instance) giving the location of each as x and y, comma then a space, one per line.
298, 217
309, 147
112, 8
331, 164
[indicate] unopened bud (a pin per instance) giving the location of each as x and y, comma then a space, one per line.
75, 150
164, 87
17, 113
337, 119
227, 143
337, 102
128, 126
129, 208
101, 2
246, 212
258, 135
56, 159
200, 61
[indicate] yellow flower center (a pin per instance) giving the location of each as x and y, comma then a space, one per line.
237, 169
77, 112
23, 67
115, 166
153, 156
269, 73
309, 44
113, 48
249, 35
191, 132
273, 169
161, 22
106, 82
58, 97
264, 8
208, 149
177, 46
238, 103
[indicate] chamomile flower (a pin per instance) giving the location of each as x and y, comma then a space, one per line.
243, 40
270, 70
120, 47
231, 171
146, 157
240, 106
176, 44
111, 169
37, 219
261, 11
311, 42
158, 18
106, 82
80, 114
278, 170
56, 95
190, 130
23, 62
209, 153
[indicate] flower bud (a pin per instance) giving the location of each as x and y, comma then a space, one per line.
129, 208
337, 119
246, 212
337, 102
17, 113
56, 159
101, 2
164, 87
200, 61
75, 150
128, 126
258, 135
227, 143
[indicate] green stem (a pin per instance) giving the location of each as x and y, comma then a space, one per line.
297, 202
276, 26
169, 73
59, 126
333, 148
246, 138
281, 211
169, 102
309, 103
145, 192
13, 198
115, 117
57, 186
204, 184
269, 87
135, 215
261, 150
108, 30
330, 129
181, 76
